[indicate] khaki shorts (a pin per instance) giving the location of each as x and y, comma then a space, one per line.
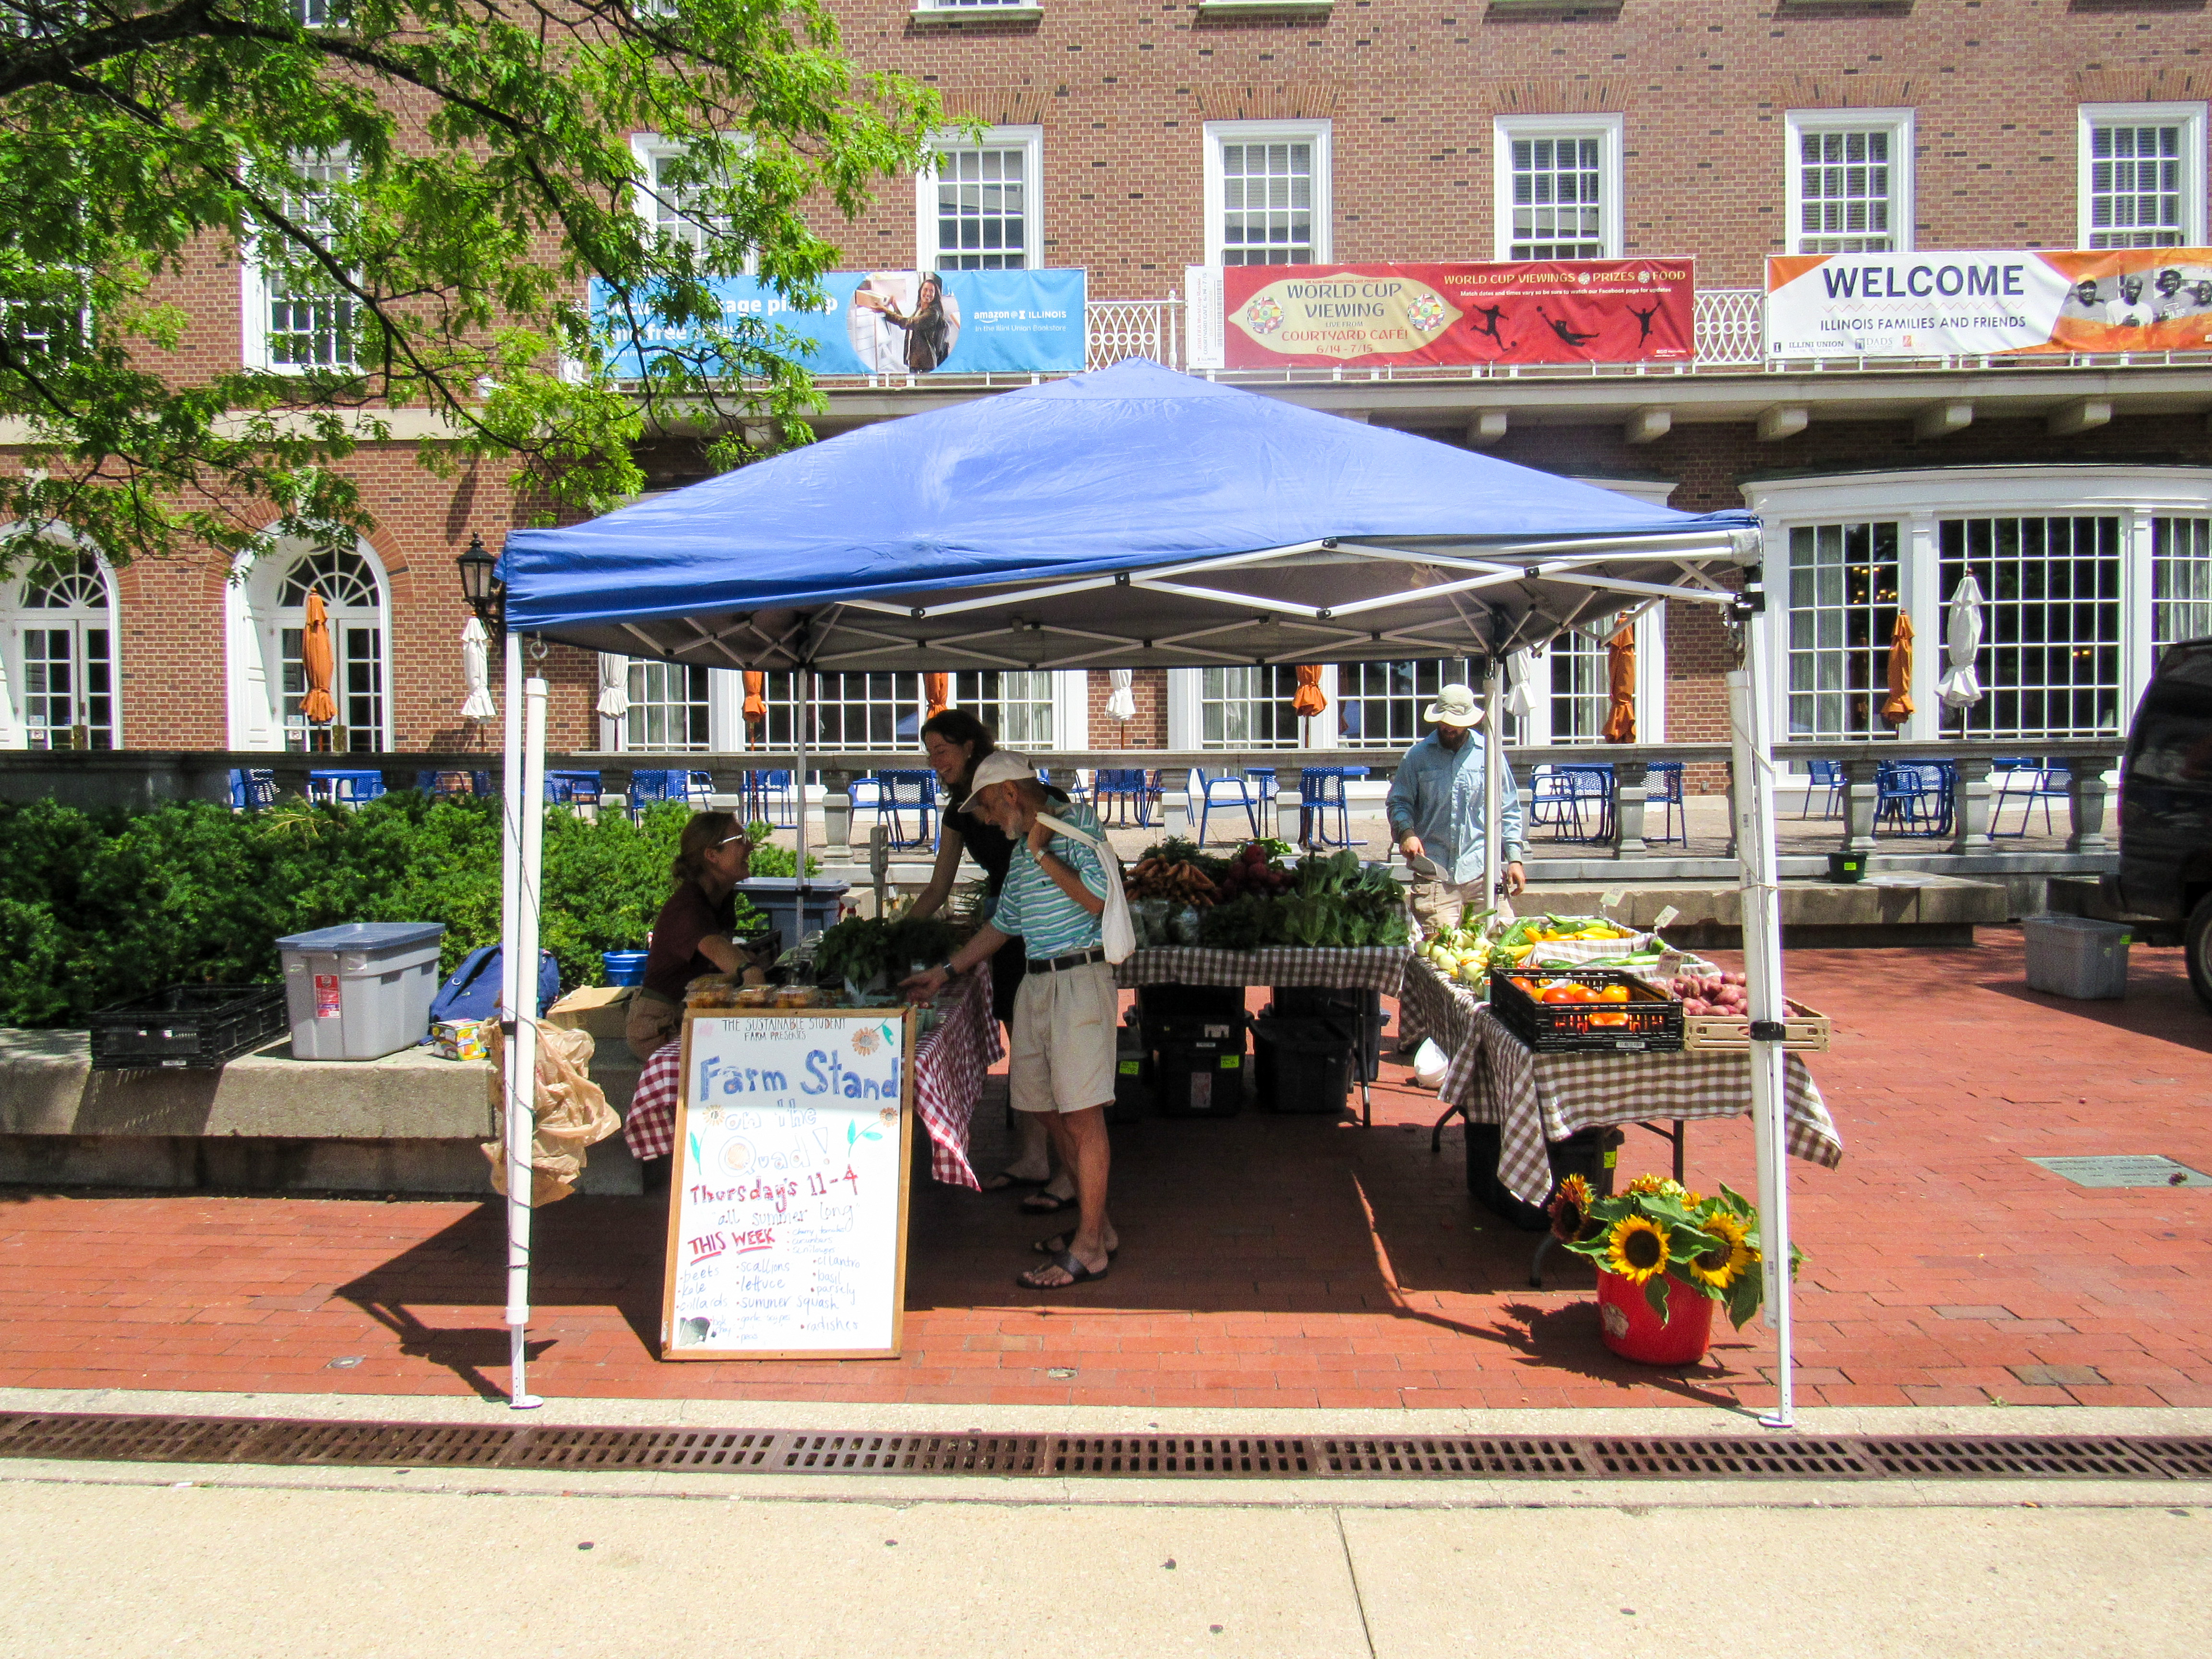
1063, 1052
1438, 905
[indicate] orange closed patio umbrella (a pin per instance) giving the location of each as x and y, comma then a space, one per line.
1898, 709
1620, 685
1310, 699
756, 698
320, 662
936, 692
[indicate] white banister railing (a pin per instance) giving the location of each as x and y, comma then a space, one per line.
1728, 325
1118, 329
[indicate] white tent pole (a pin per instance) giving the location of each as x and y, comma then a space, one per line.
1492, 742
1754, 756
802, 709
510, 838
522, 1097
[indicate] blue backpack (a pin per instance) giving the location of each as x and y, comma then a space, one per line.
473, 991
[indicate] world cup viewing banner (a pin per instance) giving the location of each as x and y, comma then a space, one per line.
892, 322
1988, 305
1554, 310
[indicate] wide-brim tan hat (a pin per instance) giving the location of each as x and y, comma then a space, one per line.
999, 766
1454, 705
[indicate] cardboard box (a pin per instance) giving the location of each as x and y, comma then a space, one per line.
602, 1010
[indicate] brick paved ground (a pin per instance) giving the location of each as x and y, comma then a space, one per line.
1276, 1262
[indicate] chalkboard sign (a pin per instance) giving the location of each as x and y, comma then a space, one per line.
786, 1214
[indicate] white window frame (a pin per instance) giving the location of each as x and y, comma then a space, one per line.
1317, 133
254, 673
1919, 500
254, 299
647, 147
1899, 123
1610, 131
15, 616
928, 255
2190, 116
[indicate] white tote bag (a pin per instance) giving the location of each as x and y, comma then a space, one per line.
1115, 931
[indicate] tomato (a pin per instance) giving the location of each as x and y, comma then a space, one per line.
1613, 993
1559, 993
1608, 1018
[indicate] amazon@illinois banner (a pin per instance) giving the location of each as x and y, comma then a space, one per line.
1984, 304
1563, 310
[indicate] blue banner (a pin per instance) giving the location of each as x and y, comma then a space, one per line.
906, 322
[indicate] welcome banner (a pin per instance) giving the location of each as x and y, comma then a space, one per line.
1577, 311
899, 322
1988, 304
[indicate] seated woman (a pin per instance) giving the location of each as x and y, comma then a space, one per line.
692, 935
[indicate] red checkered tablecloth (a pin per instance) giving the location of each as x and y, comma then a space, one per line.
1534, 1098
949, 1064
1366, 968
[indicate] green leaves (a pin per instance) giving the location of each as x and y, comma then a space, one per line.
482, 175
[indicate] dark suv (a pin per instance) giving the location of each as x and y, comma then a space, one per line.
2165, 804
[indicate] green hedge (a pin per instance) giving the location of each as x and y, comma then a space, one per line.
98, 907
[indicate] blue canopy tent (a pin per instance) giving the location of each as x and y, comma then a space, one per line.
1135, 516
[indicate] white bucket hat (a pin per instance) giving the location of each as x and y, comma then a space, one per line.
1454, 705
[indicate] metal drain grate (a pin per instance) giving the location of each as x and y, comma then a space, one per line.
911, 1454
1414, 1459
2037, 1455
1798, 1458
147, 1439
1219, 1457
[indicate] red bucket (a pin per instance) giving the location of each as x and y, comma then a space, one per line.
1632, 1330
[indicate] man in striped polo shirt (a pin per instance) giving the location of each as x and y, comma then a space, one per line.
1062, 1064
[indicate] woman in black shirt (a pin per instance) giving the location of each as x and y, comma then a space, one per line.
692, 935
955, 740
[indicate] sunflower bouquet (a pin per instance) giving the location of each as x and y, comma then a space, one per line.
1657, 1230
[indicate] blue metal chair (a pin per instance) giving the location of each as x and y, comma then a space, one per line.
252, 787
1226, 789
1592, 782
445, 785
768, 797
344, 788
1321, 791
1824, 774
1912, 799
573, 789
1128, 788
1663, 788
902, 791
1554, 804
2028, 781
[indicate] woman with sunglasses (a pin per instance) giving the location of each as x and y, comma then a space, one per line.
692, 935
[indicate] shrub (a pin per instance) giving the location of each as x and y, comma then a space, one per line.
100, 907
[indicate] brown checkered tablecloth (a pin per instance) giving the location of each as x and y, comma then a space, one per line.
1430, 1005
1534, 1098
949, 1064
1368, 967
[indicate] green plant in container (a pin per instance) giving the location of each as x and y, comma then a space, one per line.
1656, 1233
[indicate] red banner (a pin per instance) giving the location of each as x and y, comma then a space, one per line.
1561, 311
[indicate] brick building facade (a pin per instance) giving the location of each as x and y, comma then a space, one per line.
1968, 125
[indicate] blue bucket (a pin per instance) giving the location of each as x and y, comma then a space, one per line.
624, 967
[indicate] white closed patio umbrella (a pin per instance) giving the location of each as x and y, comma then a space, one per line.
1960, 687
614, 685
475, 670
1120, 701
1520, 698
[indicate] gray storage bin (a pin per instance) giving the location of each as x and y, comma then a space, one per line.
361, 991
2074, 956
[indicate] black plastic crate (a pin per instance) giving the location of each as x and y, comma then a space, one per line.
1204, 1078
1590, 1153
1650, 1020
1133, 1078
187, 1025
1356, 1009
1304, 1065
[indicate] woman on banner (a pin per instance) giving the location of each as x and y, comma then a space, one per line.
928, 334
955, 741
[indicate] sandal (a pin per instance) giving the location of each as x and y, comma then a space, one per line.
1060, 1242
1042, 1203
1005, 1178
1066, 1261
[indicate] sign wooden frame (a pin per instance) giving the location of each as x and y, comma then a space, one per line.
679, 1154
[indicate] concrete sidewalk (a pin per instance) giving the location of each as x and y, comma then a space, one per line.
144, 1559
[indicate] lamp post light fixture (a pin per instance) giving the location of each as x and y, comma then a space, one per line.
482, 588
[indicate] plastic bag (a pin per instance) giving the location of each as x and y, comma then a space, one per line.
1430, 1064
571, 1110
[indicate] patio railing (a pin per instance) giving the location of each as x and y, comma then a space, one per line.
142, 778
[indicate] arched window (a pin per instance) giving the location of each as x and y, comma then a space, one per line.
353, 600
63, 644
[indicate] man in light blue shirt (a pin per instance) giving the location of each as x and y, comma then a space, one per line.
1435, 814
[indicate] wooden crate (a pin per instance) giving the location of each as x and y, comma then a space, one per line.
1805, 1031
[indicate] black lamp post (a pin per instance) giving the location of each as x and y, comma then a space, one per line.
481, 588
